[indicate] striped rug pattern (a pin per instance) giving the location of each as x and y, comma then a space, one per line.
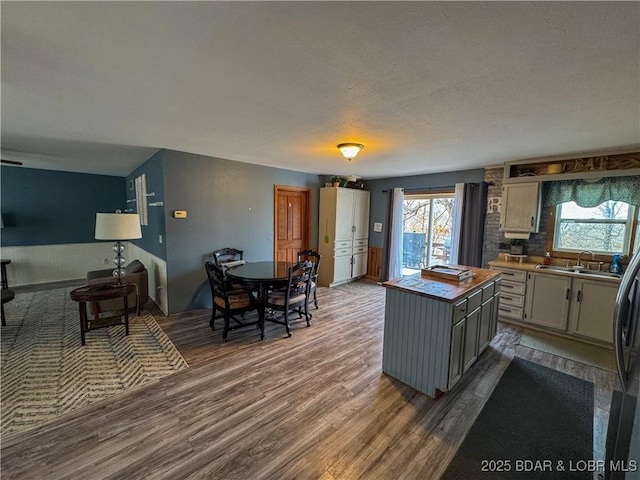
45, 372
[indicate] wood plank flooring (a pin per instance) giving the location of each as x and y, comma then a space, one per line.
313, 406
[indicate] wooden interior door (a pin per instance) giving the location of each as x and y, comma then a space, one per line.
292, 222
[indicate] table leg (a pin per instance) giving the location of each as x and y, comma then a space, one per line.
262, 306
5, 281
83, 319
126, 314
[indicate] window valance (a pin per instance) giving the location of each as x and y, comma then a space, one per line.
591, 194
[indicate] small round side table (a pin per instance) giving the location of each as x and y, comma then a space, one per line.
97, 293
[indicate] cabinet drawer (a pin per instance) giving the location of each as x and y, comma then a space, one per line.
357, 250
512, 287
474, 301
508, 311
459, 310
342, 252
360, 243
343, 244
512, 300
514, 275
487, 292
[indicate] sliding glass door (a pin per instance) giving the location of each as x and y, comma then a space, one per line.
427, 222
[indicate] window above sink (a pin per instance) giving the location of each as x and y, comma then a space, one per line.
604, 229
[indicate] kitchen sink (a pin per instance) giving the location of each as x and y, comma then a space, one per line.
577, 270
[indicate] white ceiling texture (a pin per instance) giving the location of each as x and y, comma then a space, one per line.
426, 86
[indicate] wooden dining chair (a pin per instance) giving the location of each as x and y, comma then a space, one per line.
228, 303
293, 296
225, 255
313, 257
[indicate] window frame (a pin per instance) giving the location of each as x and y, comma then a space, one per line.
632, 233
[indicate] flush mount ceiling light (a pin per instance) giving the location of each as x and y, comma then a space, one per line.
350, 150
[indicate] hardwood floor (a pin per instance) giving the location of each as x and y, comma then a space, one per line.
313, 406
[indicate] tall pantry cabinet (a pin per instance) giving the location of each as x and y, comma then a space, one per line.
343, 235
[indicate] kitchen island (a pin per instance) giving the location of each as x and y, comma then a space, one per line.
434, 329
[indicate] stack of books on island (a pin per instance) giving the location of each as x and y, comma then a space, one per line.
447, 272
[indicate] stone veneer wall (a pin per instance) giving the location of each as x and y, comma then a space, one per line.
493, 237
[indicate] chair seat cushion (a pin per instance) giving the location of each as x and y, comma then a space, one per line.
235, 301
280, 299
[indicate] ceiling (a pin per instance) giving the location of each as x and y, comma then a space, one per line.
426, 86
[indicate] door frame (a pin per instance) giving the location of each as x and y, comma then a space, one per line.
277, 189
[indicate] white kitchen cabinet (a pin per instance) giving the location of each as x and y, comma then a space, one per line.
548, 299
520, 207
343, 232
513, 289
592, 309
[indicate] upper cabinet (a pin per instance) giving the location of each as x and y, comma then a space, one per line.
520, 207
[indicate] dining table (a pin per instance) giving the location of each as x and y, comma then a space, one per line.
260, 277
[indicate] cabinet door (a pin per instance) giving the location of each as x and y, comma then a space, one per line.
360, 214
494, 314
592, 310
520, 207
485, 333
344, 214
548, 298
359, 265
471, 339
455, 360
341, 268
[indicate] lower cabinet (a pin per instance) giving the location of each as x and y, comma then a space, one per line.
592, 310
548, 299
473, 333
578, 306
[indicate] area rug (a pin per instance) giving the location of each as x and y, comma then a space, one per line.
359, 287
572, 349
46, 372
537, 423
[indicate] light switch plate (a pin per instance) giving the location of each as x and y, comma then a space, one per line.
377, 227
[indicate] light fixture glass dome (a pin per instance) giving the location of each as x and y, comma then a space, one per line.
350, 150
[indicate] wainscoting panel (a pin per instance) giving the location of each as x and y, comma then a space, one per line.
374, 263
157, 274
53, 263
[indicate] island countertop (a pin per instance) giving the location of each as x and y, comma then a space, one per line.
441, 289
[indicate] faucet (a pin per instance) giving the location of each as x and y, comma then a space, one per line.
578, 263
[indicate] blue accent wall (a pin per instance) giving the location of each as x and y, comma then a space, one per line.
228, 204
380, 201
153, 170
48, 207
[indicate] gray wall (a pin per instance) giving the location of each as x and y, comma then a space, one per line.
379, 200
228, 204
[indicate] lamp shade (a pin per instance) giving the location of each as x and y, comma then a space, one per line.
350, 150
117, 226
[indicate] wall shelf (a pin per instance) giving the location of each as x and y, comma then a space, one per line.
592, 166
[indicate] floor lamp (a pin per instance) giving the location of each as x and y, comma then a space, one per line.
118, 227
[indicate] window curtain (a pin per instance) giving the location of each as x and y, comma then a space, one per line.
474, 209
591, 194
458, 201
396, 230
